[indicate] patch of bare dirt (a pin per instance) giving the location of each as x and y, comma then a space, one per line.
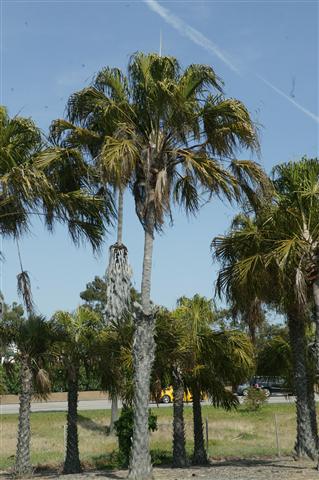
256, 469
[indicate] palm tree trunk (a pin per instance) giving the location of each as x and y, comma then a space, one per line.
120, 217
315, 288
114, 411
313, 412
179, 450
72, 459
22, 462
143, 357
199, 455
307, 437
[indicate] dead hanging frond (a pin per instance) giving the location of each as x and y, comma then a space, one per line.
42, 384
24, 285
24, 290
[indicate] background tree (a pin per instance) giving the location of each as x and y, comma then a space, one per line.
272, 256
77, 339
212, 360
168, 370
31, 340
94, 295
113, 362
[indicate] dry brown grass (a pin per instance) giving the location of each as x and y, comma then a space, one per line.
236, 434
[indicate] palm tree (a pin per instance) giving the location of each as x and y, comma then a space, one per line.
175, 135
31, 339
212, 359
168, 370
88, 128
48, 182
77, 339
172, 141
113, 362
273, 256
243, 254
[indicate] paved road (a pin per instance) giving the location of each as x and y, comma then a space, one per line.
100, 405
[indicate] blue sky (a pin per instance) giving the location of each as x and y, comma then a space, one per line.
267, 55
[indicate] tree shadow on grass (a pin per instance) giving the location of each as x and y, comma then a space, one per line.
89, 424
260, 462
110, 475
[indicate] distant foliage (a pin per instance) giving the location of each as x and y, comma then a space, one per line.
255, 399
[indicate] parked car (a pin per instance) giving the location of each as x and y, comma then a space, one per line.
167, 395
269, 385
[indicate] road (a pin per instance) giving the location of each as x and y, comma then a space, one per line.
101, 405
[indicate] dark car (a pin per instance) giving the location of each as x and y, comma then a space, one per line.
270, 385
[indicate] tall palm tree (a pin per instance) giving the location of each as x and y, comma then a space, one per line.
87, 127
176, 138
274, 256
77, 335
32, 339
176, 142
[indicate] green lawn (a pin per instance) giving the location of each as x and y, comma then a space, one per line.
231, 434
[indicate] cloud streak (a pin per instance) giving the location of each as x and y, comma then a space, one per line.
187, 31
291, 100
199, 39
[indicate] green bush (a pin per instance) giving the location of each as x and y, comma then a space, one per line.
255, 399
124, 432
11, 378
3, 385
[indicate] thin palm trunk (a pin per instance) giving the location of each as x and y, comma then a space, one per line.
114, 412
252, 333
72, 459
143, 357
315, 288
22, 462
307, 437
179, 449
120, 216
119, 241
199, 454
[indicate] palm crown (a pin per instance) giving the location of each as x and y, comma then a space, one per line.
167, 131
47, 181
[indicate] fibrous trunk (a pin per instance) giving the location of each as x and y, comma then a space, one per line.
22, 462
316, 319
114, 412
143, 357
72, 458
307, 437
199, 455
120, 216
179, 450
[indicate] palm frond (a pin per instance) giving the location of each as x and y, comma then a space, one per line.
24, 290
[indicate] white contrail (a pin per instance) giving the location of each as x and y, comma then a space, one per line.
291, 100
197, 37
190, 32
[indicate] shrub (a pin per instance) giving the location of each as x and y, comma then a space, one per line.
3, 386
124, 432
255, 399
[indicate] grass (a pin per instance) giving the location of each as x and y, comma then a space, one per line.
231, 434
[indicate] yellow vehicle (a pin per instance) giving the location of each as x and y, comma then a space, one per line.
167, 396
